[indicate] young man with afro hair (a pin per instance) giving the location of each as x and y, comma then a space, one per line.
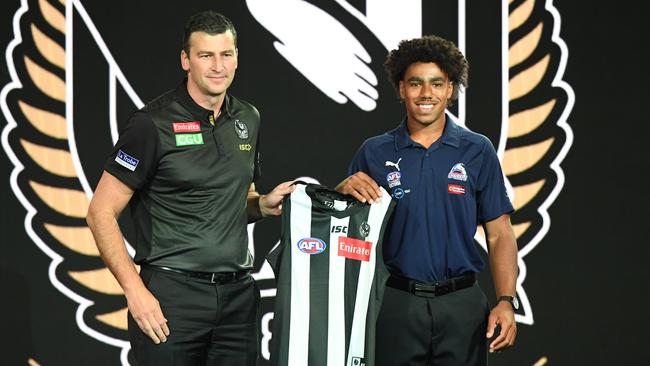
446, 180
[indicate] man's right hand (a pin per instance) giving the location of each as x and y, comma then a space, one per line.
146, 312
361, 187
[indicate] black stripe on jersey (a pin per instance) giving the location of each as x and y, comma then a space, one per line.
319, 290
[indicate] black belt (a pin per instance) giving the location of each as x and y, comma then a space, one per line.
218, 278
431, 289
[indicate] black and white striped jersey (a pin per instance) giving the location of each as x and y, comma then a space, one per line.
330, 278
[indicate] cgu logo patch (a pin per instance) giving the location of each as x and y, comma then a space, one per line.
354, 249
189, 139
311, 245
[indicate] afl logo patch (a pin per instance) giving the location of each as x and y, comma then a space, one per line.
311, 245
241, 129
393, 179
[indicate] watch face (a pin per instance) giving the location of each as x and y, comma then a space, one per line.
515, 302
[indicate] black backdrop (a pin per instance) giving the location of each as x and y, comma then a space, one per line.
587, 280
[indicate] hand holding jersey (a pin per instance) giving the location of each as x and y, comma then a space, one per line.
361, 187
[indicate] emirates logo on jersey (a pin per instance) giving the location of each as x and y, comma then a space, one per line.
354, 248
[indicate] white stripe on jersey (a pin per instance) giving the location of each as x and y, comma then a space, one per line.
336, 299
366, 274
299, 316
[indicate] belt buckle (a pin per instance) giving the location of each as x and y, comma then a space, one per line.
424, 290
444, 289
212, 278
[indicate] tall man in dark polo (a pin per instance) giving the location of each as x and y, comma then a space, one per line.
185, 164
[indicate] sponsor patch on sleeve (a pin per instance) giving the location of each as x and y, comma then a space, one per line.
126, 160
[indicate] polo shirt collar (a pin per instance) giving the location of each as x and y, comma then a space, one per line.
198, 111
450, 135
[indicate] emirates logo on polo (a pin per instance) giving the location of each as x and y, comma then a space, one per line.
186, 127
354, 248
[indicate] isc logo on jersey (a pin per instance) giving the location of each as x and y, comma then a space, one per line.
311, 245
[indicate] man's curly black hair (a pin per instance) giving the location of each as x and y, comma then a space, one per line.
429, 48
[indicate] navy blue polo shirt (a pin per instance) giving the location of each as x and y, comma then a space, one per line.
442, 194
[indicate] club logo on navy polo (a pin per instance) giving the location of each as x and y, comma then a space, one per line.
393, 179
241, 129
186, 127
458, 172
398, 193
185, 139
311, 245
390, 163
455, 189
126, 160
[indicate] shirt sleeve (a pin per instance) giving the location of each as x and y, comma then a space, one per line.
134, 157
492, 196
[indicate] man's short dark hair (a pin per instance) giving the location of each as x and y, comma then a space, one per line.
428, 49
209, 22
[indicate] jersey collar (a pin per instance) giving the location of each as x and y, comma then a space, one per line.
450, 135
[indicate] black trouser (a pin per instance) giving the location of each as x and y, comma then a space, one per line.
447, 330
210, 324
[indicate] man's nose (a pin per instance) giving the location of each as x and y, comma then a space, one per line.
427, 90
217, 65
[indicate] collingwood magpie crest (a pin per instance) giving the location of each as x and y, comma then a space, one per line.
314, 69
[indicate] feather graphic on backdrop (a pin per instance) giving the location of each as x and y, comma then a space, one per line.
48, 178
535, 137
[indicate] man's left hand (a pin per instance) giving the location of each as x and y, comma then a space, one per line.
271, 203
504, 316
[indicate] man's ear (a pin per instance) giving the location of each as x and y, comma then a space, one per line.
185, 60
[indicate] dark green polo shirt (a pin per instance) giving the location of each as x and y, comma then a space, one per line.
191, 181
